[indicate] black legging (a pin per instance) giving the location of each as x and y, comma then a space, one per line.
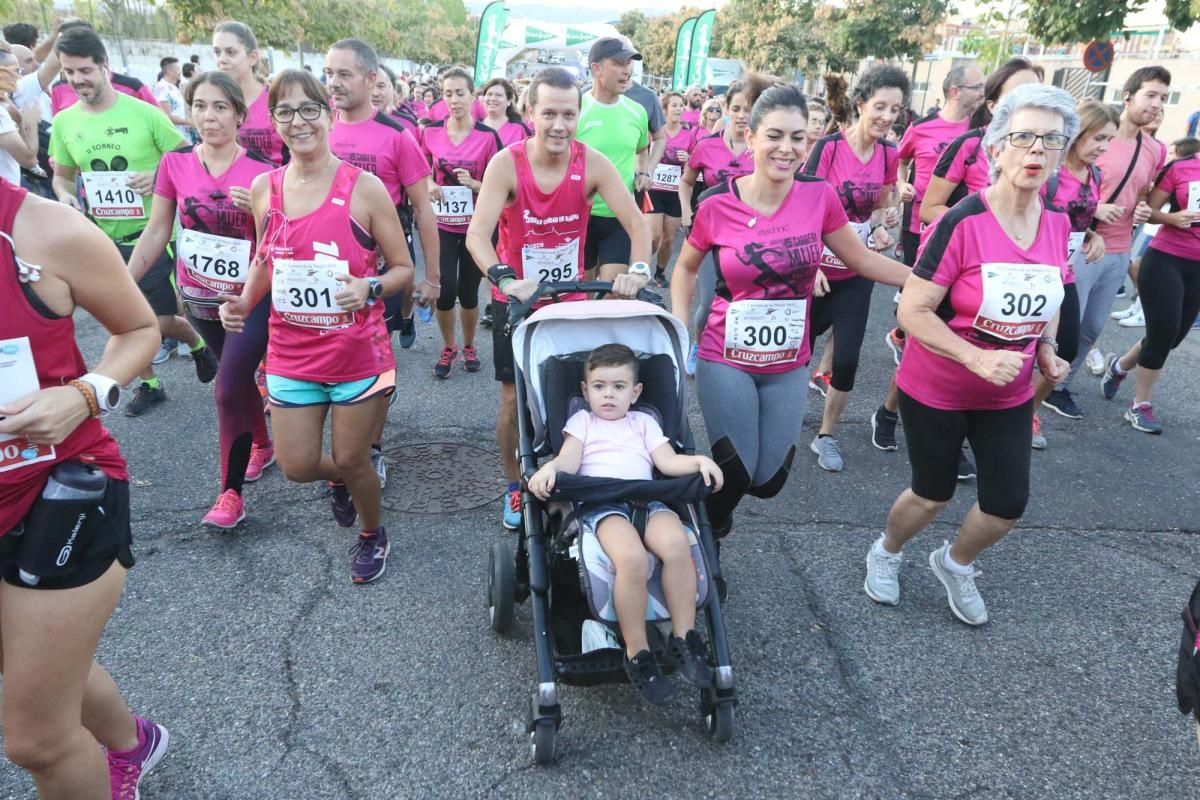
845, 308
1068, 324
459, 276
1169, 287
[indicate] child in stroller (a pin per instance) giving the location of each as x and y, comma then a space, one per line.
610, 440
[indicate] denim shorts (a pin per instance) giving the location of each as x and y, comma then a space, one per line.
590, 520
292, 393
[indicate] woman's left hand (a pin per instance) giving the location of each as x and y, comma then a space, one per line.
1050, 365
241, 197
45, 417
353, 295
1093, 247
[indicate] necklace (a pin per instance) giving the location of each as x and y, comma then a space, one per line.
317, 175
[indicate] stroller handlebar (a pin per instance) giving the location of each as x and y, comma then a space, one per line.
518, 311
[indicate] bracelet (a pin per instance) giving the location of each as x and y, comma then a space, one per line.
89, 396
1050, 340
498, 272
507, 279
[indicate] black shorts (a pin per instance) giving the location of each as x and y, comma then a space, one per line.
112, 540
607, 243
909, 244
664, 203
502, 354
158, 284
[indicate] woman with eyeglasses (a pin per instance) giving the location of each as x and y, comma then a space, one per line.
320, 223
981, 310
208, 187
710, 118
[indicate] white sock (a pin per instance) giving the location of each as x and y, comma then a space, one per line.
879, 548
954, 566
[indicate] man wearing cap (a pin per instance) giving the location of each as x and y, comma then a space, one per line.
619, 128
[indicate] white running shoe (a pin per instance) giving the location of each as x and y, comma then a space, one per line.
1095, 361
1136, 320
883, 575
1134, 308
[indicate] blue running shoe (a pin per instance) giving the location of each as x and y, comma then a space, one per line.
690, 366
407, 333
1112, 377
512, 507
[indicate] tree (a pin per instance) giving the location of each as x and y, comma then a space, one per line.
654, 37
1058, 22
779, 37
1183, 14
631, 24
890, 28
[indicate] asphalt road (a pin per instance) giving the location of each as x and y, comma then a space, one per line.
278, 678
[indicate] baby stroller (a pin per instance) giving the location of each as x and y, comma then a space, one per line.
566, 576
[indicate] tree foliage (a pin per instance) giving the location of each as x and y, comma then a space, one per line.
1183, 14
890, 28
779, 37
654, 37
1059, 22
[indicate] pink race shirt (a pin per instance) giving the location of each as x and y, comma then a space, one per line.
1001, 298
964, 164
1078, 198
63, 96
616, 448
1181, 180
204, 204
408, 121
690, 117
439, 111
1114, 163
669, 170
258, 134
472, 154
512, 132
765, 270
380, 145
716, 163
922, 144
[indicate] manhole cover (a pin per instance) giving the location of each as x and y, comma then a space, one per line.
441, 478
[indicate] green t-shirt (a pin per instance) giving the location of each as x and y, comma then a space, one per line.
618, 131
130, 136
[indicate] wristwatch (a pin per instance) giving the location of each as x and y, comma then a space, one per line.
640, 268
108, 391
374, 288
1050, 340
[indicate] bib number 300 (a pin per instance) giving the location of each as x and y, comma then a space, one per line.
760, 333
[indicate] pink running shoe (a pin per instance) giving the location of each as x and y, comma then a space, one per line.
260, 459
126, 770
227, 512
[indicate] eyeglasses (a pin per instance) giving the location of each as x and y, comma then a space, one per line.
307, 111
1050, 141
974, 87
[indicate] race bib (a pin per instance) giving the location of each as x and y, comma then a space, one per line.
109, 196
456, 206
18, 377
551, 264
1193, 196
862, 230
1018, 300
759, 333
666, 178
303, 291
1074, 245
218, 263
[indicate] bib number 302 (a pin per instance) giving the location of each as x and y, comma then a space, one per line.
1018, 300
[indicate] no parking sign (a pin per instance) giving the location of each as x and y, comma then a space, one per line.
1098, 56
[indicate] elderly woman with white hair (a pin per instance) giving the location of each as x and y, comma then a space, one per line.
981, 311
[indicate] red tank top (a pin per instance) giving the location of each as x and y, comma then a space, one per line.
542, 235
24, 468
309, 338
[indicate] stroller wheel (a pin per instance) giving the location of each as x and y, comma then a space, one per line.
718, 718
544, 742
501, 586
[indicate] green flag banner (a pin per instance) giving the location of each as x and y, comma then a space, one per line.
683, 49
534, 35
491, 30
701, 40
575, 37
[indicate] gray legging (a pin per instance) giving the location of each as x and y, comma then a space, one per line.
1097, 285
706, 287
753, 422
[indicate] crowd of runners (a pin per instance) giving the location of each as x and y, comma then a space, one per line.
271, 227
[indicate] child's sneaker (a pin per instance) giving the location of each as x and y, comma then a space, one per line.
126, 770
645, 674
692, 659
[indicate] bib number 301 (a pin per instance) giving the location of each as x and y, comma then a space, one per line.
303, 293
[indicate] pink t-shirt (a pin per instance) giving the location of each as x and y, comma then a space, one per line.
512, 132
63, 96
1114, 163
472, 154
1181, 180
380, 145
765, 269
923, 144
439, 111
616, 448
690, 117
258, 134
965, 164
204, 203
1078, 198
408, 121
716, 163
995, 303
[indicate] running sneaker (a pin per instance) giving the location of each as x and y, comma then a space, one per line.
883, 574
1141, 417
165, 349
471, 362
260, 459
829, 455
380, 465
145, 397
183, 350
368, 556
1121, 290
344, 512
895, 343
661, 280
692, 358
1095, 361
648, 678
206, 364
445, 362
819, 381
965, 602
883, 429
486, 319
1113, 375
512, 508
966, 467
1125, 313
407, 334
1061, 402
126, 770
1039, 441
227, 512
691, 658
1136, 320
